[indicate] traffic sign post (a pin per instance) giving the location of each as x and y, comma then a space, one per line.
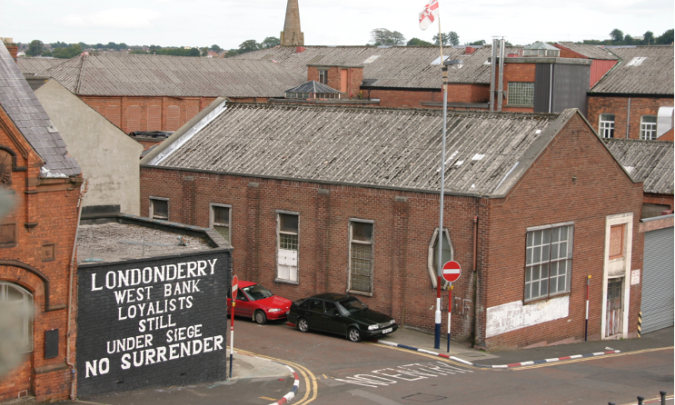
451, 272
235, 287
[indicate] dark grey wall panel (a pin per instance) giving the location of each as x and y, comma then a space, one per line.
570, 84
542, 87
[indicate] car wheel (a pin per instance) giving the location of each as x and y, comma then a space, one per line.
354, 335
303, 326
260, 317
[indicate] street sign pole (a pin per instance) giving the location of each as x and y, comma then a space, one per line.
235, 287
451, 272
437, 317
449, 313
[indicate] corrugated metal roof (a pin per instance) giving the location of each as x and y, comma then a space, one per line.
312, 87
111, 74
28, 115
651, 161
590, 51
393, 148
37, 66
396, 66
641, 70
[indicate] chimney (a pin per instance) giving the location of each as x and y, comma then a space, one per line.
469, 50
300, 49
11, 47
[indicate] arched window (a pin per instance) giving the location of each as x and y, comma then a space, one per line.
446, 255
16, 302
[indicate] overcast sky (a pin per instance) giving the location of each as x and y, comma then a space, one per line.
228, 23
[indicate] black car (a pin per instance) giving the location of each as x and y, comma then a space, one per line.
340, 314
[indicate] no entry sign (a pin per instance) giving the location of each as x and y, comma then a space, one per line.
451, 271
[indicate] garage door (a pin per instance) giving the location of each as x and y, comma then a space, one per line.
657, 287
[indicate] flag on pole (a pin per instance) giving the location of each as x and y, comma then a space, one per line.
429, 14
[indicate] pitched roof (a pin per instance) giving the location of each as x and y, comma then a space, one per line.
113, 74
394, 66
590, 51
641, 70
376, 147
37, 66
312, 86
28, 115
651, 161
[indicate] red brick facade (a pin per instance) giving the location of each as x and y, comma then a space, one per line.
336, 75
627, 123
563, 185
45, 220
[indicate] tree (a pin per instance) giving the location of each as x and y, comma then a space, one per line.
215, 48
481, 42
204, 51
649, 38
35, 48
270, 42
628, 40
445, 39
418, 42
454, 38
67, 53
666, 38
231, 53
616, 35
248, 46
382, 36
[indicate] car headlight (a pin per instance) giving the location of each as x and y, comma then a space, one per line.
392, 322
275, 310
372, 327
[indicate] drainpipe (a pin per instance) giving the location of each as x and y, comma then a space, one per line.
493, 72
83, 191
628, 120
477, 280
500, 86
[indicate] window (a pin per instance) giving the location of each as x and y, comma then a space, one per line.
18, 302
548, 261
287, 247
616, 233
446, 255
520, 93
172, 117
361, 256
323, 77
154, 118
8, 235
220, 220
606, 127
159, 208
133, 118
648, 127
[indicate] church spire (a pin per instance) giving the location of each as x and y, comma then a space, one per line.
291, 35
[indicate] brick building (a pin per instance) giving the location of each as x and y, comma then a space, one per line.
161, 93
37, 240
362, 186
634, 100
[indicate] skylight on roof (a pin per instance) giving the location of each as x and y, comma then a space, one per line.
437, 61
637, 61
370, 59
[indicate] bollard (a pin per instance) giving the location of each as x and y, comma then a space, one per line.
663, 397
640, 399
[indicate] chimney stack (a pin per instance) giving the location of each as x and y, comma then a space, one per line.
11, 47
469, 50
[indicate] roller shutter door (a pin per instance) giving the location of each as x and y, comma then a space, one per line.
657, 281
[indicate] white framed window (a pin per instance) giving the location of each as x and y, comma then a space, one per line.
220, 219
648, 127
606, 126
361, 256
18, 302
548, 263
446, 255
323, 76
520, 94
287, 246
159, 208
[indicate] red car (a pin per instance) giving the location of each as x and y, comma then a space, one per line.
258, 303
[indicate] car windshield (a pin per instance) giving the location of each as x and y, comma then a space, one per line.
352, 305
256, 292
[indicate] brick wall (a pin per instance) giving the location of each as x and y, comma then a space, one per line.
626, 125
404, 223
354, 79
600, 189
45, 216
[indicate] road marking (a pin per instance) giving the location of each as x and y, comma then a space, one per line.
403, 373
656, 400
311, 389
267, 398
419, 353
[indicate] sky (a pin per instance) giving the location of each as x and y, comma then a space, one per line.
228, 23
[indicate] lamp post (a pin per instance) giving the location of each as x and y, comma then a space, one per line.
437, 315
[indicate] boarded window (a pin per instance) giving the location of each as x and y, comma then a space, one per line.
154, 118
112, 113
133, 118
190, 112
344, 80
616, 233
159, 208
173, 118
7, 235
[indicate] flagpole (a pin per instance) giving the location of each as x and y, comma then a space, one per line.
437, 317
